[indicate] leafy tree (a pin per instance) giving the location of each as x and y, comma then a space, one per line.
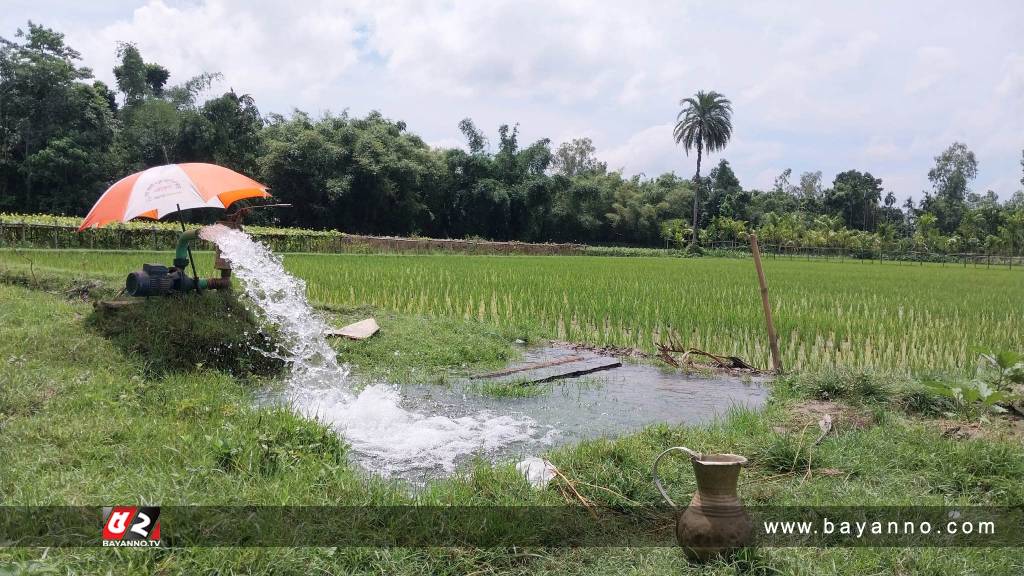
772, 202
163, 125
1012, 232
228, 132
723, 178
891, 219
723, 182
577, 157
954, 169
476, 139
364, 175
724, 229
185, 96
55, 130
298, 166
704, 124
854, 196
782, 185
1016, 202
810, 191
150, 133
637, 213
676, 232
107, 94
137, 79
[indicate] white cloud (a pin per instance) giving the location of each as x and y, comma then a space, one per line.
888, 150
875, 86
296, 48
566, 51
933, 64
1012, 83
449, 143
652, 146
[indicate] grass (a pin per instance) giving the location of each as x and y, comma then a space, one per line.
212, 330
446, 347
86, 420
509, 389
859, 315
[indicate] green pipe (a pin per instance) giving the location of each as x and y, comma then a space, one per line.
181, 252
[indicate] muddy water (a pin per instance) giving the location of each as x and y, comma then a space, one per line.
602, 404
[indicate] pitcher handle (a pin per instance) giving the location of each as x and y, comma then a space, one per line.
654, 470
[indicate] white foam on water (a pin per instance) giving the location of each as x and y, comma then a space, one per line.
385, 437
391, 440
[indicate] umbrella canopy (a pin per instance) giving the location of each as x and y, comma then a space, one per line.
161, 190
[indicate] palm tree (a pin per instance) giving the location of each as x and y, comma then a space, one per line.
704, 123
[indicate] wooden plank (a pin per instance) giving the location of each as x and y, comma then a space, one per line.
526, 367
576, 371
357, 331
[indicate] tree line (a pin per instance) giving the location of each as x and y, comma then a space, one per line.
65, 137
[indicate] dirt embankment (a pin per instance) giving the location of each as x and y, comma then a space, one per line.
398, 244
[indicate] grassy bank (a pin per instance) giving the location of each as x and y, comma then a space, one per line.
87, 418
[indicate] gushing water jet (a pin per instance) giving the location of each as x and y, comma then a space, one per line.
385, 437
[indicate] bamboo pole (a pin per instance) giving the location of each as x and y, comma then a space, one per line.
773, 339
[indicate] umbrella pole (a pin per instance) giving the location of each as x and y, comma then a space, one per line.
195, 275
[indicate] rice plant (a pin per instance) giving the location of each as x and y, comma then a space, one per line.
902, 318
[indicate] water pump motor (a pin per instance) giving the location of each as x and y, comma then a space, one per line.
159, 280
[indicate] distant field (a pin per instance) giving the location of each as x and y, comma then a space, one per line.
906, 318
61, 232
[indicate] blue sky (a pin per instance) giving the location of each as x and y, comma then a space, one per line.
830, 86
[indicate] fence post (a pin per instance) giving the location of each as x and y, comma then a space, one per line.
773, 340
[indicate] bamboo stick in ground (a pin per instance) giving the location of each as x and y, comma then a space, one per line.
773, 339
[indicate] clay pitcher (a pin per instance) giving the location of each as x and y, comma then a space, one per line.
715, 523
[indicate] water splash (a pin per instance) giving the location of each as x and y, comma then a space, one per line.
279, 299
385, 437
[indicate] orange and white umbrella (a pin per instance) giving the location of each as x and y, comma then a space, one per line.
161, 190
